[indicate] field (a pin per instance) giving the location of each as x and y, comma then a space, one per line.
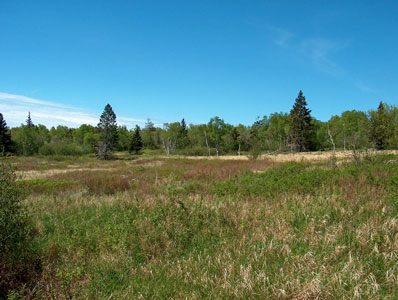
280, 227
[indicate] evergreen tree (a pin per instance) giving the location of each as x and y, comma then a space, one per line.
29, 122
380, 127
182, 139
5, 137
183, 125
301, 127
149, 125
149, 135
108, 130
136, 141
124, 138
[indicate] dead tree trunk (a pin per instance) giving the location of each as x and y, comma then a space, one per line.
332, 141
166, 146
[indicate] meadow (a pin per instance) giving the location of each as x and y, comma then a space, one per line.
154, 227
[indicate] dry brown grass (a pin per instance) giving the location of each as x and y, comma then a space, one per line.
289, 157
339, 242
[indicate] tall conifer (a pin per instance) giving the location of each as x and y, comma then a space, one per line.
380, 127
301, 128
5, 137
108, 130
136, 141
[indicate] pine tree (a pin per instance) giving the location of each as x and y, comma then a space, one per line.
5, 137
29, 122
301, 128
136, 141
380, 127
108, 130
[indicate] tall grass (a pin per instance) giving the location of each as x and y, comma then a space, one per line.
180, 229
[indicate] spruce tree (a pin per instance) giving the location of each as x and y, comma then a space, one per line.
301, 128
136, 141
29, 122
5, 137
183, 125
108, 130
182, 138
380, 127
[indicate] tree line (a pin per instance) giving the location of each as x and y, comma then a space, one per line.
295, 131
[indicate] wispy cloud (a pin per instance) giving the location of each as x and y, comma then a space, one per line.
15, 109
131, 120
320, 51
364, 87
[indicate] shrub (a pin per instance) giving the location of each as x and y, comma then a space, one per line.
284, 179
18, 259
46, 186
254, 153
195, 151
62, 149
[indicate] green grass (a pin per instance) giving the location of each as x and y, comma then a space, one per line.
185, 229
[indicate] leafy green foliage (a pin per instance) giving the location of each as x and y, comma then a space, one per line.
28, 139
123, 138
18, 260
62, 148
45, 186
278, 132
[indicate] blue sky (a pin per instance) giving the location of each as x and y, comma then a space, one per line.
165, 60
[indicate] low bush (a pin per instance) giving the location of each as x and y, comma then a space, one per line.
300, 179
288, 178
46, 186
195, 151
19, 262
61, 149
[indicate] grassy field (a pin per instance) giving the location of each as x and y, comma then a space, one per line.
175, 228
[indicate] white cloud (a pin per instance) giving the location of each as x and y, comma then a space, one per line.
131, 120
15, 110
320, 50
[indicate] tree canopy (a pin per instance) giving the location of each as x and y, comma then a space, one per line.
279, 131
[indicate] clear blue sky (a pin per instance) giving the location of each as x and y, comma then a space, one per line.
65, 60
